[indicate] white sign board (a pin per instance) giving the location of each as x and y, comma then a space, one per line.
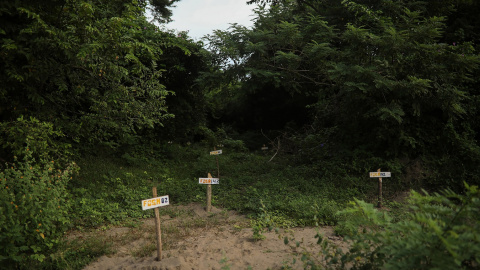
265, 148
380, 174
155, 202
217, 152
208, 181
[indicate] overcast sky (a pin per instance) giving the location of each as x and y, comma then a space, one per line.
201, 17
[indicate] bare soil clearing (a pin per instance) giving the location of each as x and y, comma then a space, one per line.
195, 239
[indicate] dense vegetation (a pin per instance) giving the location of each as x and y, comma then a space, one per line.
97, 104
388, 79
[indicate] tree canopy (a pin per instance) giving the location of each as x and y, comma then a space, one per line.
96, 70
395, 79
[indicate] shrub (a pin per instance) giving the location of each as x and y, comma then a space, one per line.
33, 210
43, 139
441, 231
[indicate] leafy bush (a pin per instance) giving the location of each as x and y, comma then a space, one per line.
43, 140
237, 145
268, 220
33, 210
442, 231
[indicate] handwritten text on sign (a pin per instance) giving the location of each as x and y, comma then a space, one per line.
217, 152
155, 202
208, 181
380, 174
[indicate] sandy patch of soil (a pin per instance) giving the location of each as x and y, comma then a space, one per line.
195, 239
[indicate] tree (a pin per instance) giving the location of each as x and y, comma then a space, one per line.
92, 68
183, 64
272, 61
381, 75
406, 85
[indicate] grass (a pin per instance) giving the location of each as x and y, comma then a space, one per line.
108, 192
77, 253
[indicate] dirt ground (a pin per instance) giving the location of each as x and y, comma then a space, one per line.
195, 239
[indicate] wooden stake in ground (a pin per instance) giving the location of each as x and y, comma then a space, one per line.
158, 228
209, 181
209, 195
218, 167
379, 190
379, 174
156, 202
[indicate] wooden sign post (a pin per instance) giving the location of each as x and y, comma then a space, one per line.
215, 153
156, 202
209, 181
380, 174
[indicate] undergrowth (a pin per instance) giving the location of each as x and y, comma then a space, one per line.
440, 231
108, 189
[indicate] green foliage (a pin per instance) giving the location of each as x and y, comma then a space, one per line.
182, 61
382, 76
377, 76
219, 139
268, 220
224, 262
294, 196
33, 210
108, 191
162, 9
350, 84
78, 253
108, 194
43, 140
440, 231
236, 145
97, 72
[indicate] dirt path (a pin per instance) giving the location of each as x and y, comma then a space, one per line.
193, 239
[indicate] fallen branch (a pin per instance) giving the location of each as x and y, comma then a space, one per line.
272, 142
278, 148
